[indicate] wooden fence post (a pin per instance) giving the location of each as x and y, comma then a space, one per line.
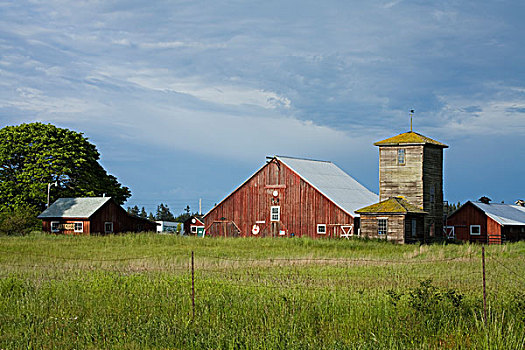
192, 286
484, 288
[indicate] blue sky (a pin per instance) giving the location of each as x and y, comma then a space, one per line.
185, 99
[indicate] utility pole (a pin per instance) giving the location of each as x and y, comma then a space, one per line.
49, 189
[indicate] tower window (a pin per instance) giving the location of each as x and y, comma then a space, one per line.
400, 157
432, 194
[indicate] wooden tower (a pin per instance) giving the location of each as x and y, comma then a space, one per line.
411, 167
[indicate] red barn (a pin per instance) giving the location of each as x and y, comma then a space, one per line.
91, 215
487, 223
291, 197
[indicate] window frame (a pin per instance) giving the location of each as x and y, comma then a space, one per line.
81, 227
105, 228
379, 231
278, 213
57, 229
323, 226
193, 229
401, 151
479, 230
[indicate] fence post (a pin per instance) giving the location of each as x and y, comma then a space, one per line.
192, 286
484, 289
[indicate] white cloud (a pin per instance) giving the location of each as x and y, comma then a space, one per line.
495, 115
30, 99
233, 93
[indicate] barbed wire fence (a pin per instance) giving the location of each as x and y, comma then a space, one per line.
284, 274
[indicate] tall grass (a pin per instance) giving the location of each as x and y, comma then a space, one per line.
134, 292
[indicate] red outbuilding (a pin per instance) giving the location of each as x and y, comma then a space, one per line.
484, 222
91, 215
291, 197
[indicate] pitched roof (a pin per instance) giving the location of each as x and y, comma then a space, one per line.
392, 205
409, 138
504, 214
331, 181
74, 207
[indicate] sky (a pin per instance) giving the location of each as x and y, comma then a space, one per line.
185, 99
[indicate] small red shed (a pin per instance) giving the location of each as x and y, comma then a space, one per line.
487, 223
88, 215
291, 197
193, 226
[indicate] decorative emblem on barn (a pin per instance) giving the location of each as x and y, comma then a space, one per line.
255, 229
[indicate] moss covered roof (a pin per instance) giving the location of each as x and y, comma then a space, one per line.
395, 205
409, 137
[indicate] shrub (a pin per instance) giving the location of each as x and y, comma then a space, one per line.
19, 221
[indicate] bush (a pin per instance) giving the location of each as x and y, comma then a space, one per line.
19, 221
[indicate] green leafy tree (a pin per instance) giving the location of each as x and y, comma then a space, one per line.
33, 155
143, 213
151, 217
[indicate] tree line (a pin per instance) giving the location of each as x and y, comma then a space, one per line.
163, 213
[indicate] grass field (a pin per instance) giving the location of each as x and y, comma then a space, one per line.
134, 292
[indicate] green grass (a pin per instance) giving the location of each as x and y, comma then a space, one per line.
134, 292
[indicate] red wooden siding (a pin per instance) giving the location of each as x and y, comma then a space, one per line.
85, 225
469, 215
109, 212
302, 207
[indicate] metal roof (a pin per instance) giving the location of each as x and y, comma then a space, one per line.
74, 207
332, 182
504, 214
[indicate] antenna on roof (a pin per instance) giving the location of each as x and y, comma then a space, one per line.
411, 115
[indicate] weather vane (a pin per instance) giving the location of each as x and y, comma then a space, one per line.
411, 115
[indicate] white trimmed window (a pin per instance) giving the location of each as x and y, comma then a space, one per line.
401, 157
79, 227
275, 213
321, 229
475, 230
108, 227
55, 226
194, 229
382, 226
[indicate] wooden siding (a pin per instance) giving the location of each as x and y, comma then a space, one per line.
401, 180
421, 174
466, 216
513, 233
493, 231
109, 212
302, 207
46, 225
433, 181
399, 227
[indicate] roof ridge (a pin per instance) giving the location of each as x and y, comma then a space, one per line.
301, 158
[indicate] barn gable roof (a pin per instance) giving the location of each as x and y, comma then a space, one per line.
503, 214
83, 207
409, 138
332, 182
